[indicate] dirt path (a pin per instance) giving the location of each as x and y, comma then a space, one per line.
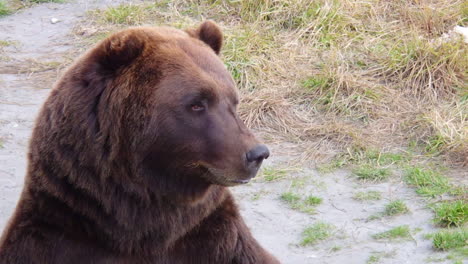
38, 42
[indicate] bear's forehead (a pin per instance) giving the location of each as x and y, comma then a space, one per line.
191, 62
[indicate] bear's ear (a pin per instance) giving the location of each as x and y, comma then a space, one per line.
119, 50
209, 33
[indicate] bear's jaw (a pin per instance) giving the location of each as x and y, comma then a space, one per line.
225, 178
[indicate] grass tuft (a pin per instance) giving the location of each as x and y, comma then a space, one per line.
317, 232
371, 173
306, 205
313, 200
45, 1
427, 182
426, 69
449, 214
399, 232
397, 207
4, 10
290, 197
367, 196
451, 239
272, 174
125, 14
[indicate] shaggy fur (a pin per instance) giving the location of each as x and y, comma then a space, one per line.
131, 155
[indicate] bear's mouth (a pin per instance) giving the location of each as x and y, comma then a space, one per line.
240, 181
221, 177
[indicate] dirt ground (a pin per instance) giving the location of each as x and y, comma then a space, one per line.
26, 80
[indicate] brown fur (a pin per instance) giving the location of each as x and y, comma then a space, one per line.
123, 168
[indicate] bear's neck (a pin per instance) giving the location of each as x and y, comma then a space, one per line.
127, 220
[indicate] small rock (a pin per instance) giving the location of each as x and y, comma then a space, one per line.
54, 20
462, 31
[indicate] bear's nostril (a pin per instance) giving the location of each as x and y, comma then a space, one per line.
258, 153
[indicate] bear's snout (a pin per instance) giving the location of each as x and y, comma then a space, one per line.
254, 158
257, 154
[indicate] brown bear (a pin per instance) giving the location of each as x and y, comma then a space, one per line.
131, 157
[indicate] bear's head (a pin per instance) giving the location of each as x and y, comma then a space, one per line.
160, 109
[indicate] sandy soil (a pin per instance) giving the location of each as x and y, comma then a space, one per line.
276, 226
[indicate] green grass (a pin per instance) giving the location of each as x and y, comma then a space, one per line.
377, 256
427, 182
243, 53
385, 158
335, 164
336, 248
290, 198
4, 10
371, 173
313, 200
272, 174
6, 43
399, 232
306, 205
316, 83
317, 232
397, 207
449, 214
367, 196
370, 159
435, 144
125, 14
451, 239
46, 1
373, 259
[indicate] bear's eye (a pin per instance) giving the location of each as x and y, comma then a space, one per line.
197, 107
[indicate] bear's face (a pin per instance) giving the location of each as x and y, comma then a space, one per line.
180, 105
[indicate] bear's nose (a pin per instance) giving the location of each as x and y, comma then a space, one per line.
258, 154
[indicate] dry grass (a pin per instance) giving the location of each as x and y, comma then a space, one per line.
334, 76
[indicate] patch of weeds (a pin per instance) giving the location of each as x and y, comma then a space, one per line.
385, 158
427, 182
5, 43
435, 145
336, 248
126, 14
272, 174
296, 202
368, 158
290, 198
434, 259
46, 1
451, 239
458, 255
430, 70
371, 173
4, 10
399, 232
449, 214
333, 165
298, 183
377, 256
244, 54
367, 196
397, 207
313, 200
317, 83
373, 259
258, 195
317, 232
